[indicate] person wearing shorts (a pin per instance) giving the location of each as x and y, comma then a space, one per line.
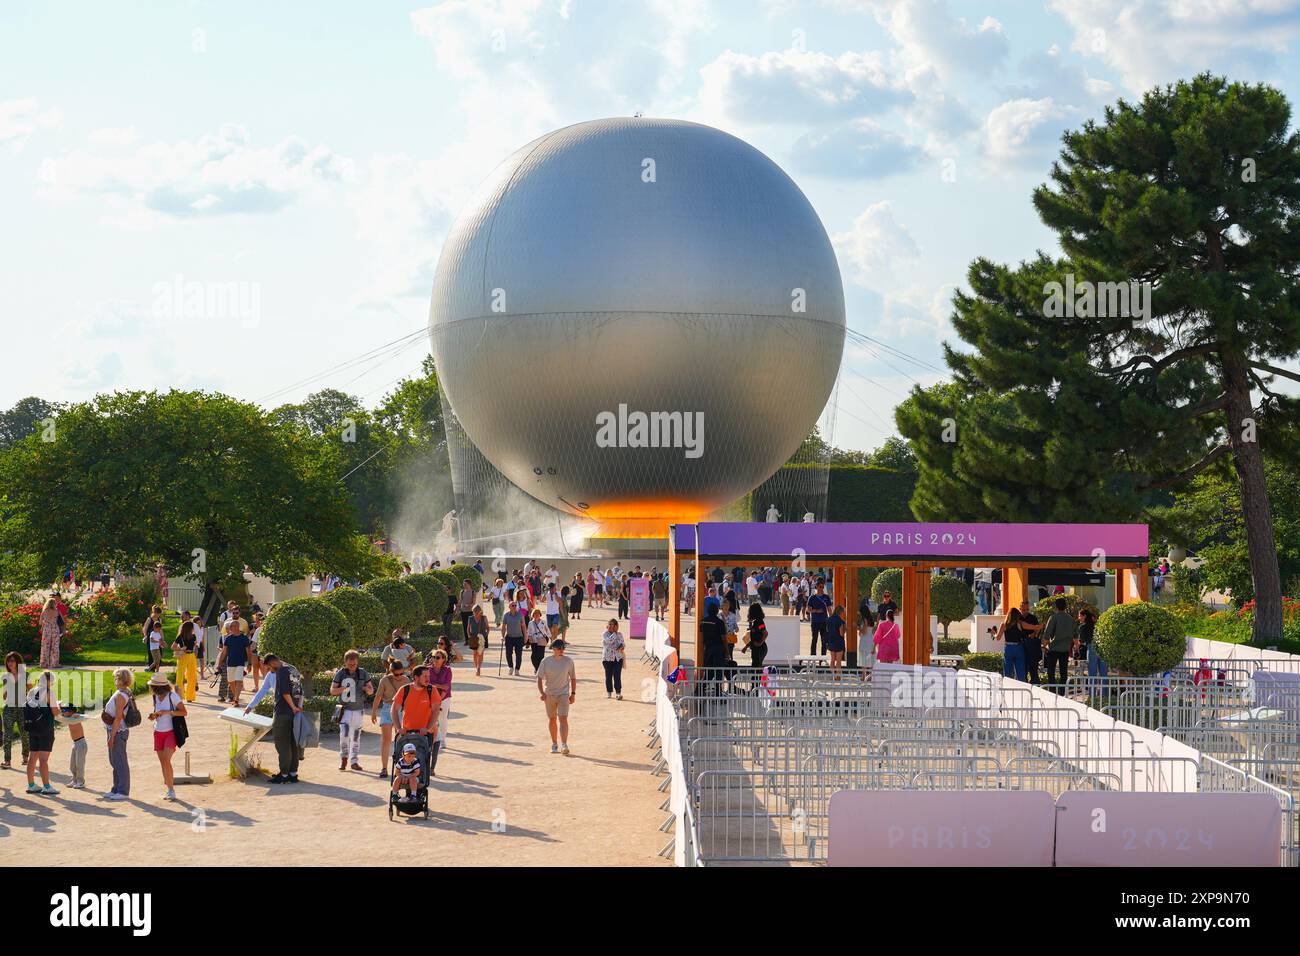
166, 704
381, 710
237, 646
557, 683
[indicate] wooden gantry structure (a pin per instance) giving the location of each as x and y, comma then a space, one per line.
918, 549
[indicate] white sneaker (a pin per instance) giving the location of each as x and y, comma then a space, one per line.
555, 749
565, 750
76, 786
116, 796
169, 795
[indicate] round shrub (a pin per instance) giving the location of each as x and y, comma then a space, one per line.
950, 600
424, 637
1074, 603
450, 583
402, 602
463, 571
891, 580
1141, 639
366, 615
306, 632
432, 593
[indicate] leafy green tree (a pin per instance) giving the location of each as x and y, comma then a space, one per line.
895, 454
1140, 639
25, 418
202, 484
1097, 409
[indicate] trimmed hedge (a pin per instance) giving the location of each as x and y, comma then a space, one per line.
403, 603
450, 583
463, 571
983, 661
366, 615
432, 592
891, 580
306, 632
954, 645
1141, 639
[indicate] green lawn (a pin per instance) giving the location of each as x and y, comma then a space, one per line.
127, 648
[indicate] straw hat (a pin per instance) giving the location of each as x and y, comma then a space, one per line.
158, 680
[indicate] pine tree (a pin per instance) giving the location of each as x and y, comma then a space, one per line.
1111, 392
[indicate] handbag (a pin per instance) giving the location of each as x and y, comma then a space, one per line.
179, 727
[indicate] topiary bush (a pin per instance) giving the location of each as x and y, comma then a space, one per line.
366, 615
891, 580
424, 637
463, 571
1141, 639
403, 603
432, 592
950, 600
1074, 603
449, 582
983, 661
306, 632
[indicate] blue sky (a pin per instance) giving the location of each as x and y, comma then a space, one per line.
238, 196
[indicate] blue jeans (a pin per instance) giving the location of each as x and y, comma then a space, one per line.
1096, 669
1013, 661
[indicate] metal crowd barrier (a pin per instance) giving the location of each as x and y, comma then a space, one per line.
764, 751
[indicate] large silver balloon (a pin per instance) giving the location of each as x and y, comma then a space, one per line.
627, 266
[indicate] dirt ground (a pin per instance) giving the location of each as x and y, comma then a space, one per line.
500, 798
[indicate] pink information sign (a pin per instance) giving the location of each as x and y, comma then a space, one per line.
1168, 829
941, 828
638, 606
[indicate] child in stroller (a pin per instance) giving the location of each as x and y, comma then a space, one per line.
410, 773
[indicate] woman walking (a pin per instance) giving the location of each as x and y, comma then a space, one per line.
440, 681
476, 636
613, 657
185, 651
381, 709
41, 709
886, 639
866, 631
53, 627
563, 603
15, 694
114, 714
167, 705
575, 598
835, 639
539, 635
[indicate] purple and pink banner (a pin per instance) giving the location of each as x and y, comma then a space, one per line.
920, 539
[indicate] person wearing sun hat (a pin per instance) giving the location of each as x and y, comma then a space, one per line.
166, 705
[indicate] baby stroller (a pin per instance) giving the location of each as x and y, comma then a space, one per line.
417, 802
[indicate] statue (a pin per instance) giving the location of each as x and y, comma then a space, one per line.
773, 516
809, 517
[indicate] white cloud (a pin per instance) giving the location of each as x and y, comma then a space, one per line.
875, 247
1019, 127
797, 86
929, 36
214, 175
19, 119
1151, 42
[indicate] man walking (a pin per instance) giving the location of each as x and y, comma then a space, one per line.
351, 684
416, 709
557, 683
512, 636
288, 704
1061, 635
465, 605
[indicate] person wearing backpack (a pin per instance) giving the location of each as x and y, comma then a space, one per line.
38, 720
169, 727
286, 683
417, 709
120, 714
